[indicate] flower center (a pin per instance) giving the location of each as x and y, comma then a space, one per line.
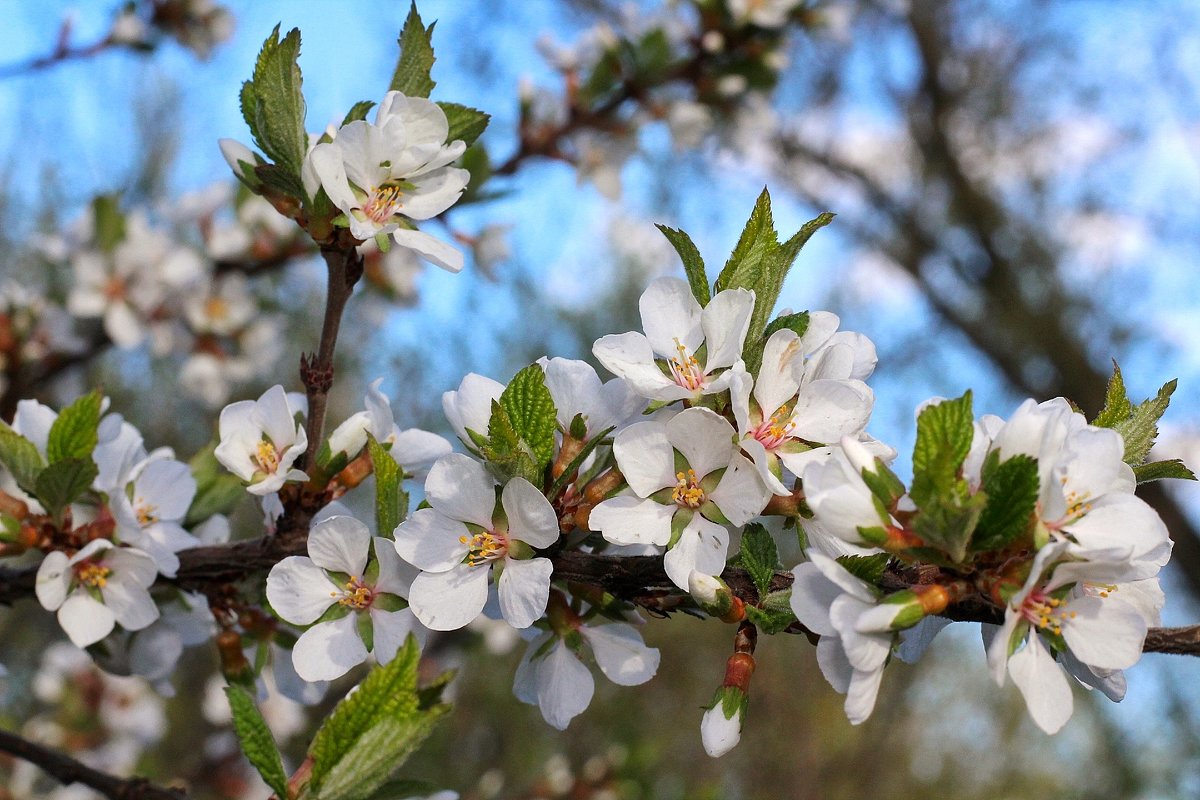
1045, 612
114, 289
354, 594
774, 431
147, 514
91, 574
484, 547
688, 493
384, 203
267, 457
685, 369
1078, 505
216, 308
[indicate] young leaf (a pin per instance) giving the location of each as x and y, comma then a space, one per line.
776, 612
949, 521
108, 222
412, 74
532, 412
1012, 491
1141, 428
63, 482
256, 740
74, 432
794, 322
866, 568
466, 123
377, 755
20, 456
391, 501
358, 111
1158, 470
273, 105
944, 434
744, 267
218, 491
759, 557
388, 692
693, 263
1117, 407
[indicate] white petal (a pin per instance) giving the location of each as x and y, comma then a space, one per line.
1045, 688
447, 601
1104, 633
564, 686
704, 437
631, 520
866, 652
395, 575
861, 694
621, 653
670, 313
328, 650
129, 602
85, 620
415, 449
827, 410
524, 588
629, 356
812, 595
390, 629
461, 488
644, 457
446, 256
782, 367
53, 580
340, 544
741, 494
718, 734
431, 541
525, 679
531, 518
299, 591
726, 319
703, 546
831, 658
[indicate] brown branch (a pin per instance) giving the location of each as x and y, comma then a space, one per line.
67, 770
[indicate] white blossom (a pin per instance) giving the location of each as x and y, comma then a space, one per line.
260, 440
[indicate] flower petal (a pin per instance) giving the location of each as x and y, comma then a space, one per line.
461, 488
340, 544
621, 653
299, 591
431, 541
564, 686
328, 650
703, 546
644, 456
84, 619
631, 520
447, 601
524, 589
531, 518
1046, 690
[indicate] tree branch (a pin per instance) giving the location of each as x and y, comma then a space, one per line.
67, 770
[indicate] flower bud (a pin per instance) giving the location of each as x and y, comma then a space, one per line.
235, 154
721, 726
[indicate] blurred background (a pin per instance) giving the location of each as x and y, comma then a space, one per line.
1017, 187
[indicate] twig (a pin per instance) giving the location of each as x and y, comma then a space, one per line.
67, 770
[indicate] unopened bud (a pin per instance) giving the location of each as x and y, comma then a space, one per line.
721, 726
234, 665
713, 596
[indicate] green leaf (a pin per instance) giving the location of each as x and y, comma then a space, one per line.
74, 432
108, 222
884, 485
944, 434
358, 111
693, 262
505, 450
1117, 407
1141, 428
1158, 470
866, 568
532, 412
256, 740
217, 490
759, 557
404, 790
793, 322
62, 483
21, 457
1012, 491
273, 104
776, 612
413, 68
281, 179
948, 523
466, 123
376, 756
389, 692
391, 501
744, 267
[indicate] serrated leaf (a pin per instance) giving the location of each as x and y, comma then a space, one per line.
388, 692
412, 74
281, 179
358, 111
1141, 428
404, 790
948, 523
759, 557
74, 433
391, 501
273, 104
798, 323
944, 434
758, 239
64, 482
532, 412
1117, 407
217, 490
885, 486
256, 740
466, 123
866, 568
1159, 470
20, 456
1012, 491
376, 756
776, 613
693, 263
108, 223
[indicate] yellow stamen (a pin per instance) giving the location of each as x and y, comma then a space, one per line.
384, 203
267, 457
484, 547
94, 575
687, 491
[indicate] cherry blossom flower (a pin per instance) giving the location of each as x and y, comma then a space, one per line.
469, 407
553, 676
577, 390
763, 13
462, 535
260, 440
412, 449
839, 498
352, 586
98, 587
151, 516
683, 505
720, 733
385, 174
676, 327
